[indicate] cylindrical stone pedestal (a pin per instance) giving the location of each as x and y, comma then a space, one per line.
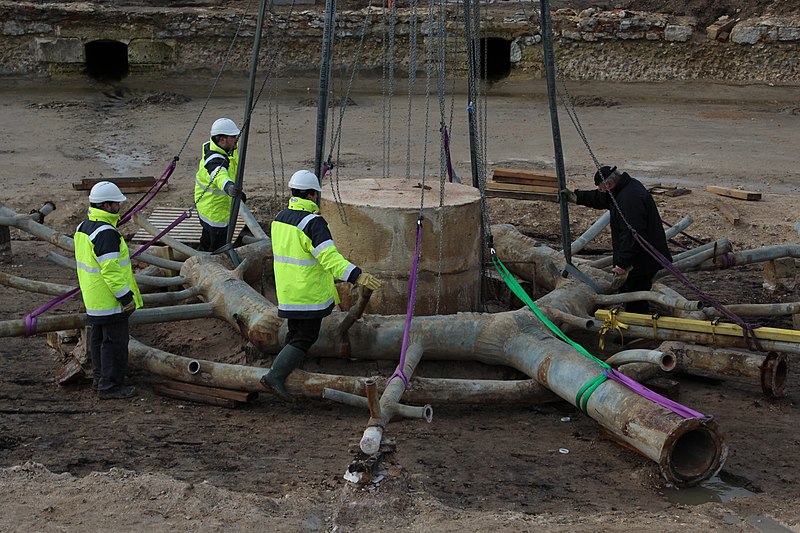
375, 226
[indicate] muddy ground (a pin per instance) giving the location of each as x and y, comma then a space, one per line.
69, 462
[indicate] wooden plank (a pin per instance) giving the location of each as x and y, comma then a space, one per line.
542, 182
734, 193
728, 212
519, 173
523, 188
517, 195
231, 394
164, 390
126, 183
122, 180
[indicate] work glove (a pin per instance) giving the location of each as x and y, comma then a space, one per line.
570, 196
620, 277
369, 281
231, 190
128, 303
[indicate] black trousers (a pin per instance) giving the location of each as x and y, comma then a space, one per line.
108, 344
212, 238
303, 332
638, 282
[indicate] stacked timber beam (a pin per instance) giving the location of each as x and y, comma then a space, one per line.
203, 394
523, 184
132, 184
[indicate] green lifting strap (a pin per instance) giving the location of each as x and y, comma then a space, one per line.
585, 392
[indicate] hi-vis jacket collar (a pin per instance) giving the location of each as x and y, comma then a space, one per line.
99, 215
301, 204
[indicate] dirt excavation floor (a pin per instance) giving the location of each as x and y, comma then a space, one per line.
71, 463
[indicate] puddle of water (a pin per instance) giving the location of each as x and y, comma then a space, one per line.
712, 490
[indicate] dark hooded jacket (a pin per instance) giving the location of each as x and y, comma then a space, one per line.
641, 212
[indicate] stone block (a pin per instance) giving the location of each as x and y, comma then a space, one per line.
60, 50
150, 51
678, 33
744, 33
789, 33
721, 29
780, 274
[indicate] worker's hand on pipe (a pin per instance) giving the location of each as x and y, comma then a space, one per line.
570, 196
620, 277
369, 281
231, 190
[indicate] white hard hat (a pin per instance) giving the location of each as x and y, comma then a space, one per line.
224, 126
304, 180
105, 191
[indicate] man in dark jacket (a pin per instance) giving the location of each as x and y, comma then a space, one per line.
634, 267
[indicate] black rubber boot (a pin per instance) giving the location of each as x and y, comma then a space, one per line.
288, 359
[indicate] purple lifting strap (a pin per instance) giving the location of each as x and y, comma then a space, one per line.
747, 328
152, 192
412, 293
654, 397
30, 320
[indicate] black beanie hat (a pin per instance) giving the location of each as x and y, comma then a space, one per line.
603, 173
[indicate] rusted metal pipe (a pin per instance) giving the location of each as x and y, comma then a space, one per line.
56, 289
598, 226
776, 309
663, 360
649, 296
39, 214
40, 287
403, 411
757, 255
372, 399
670, 232
28, 225
692, 261
663, 334
16, 328
252, 224
639, 371
373, 434
687, 451
769, 370
312, 385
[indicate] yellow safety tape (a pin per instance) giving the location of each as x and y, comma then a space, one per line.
612, 323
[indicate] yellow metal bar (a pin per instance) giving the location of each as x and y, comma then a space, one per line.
698, 326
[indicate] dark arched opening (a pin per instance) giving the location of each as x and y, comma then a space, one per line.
106, 60
495, 58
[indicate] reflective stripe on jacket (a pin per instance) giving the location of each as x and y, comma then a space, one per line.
306, 262
104, 265
215, 170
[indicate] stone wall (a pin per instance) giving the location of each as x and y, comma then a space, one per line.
49, 39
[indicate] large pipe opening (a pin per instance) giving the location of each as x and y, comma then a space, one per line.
106, 60
694, 455
495, 58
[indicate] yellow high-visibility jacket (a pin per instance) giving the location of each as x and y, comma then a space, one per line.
215, 170
306, 262
104, 267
